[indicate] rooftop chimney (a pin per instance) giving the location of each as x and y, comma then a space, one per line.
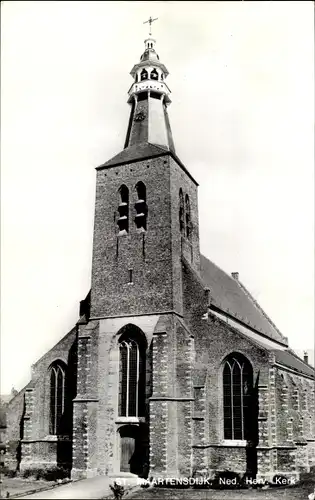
305, 357
235, 276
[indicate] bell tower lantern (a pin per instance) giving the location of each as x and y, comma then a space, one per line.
149, 98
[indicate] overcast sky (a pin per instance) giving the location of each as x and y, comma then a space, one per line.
242, 81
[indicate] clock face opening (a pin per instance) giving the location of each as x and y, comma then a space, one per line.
139, 116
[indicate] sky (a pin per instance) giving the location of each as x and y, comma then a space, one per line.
242, 116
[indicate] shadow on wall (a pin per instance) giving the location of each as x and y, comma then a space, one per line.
64, 438
19, 446
251, 434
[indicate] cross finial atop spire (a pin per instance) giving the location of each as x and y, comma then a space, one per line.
150, 21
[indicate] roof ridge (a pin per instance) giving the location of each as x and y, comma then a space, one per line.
216, 265
122, 155
298, 357
255, 302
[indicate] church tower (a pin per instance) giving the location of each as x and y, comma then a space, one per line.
134, 354
146, 207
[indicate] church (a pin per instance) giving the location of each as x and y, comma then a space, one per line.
173, 369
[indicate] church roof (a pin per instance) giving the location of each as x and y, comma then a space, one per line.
143, 151
135, 152
231, 297
288, 358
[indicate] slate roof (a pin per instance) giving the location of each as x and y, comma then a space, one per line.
288, 358
231, 297
227, 294
135, 152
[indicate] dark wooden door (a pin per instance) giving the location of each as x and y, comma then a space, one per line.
127, 449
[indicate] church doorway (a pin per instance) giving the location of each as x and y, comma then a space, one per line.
132, 452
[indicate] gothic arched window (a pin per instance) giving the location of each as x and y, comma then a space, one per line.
237, 393
141, 206
181, 212
57, 396
187, 215
154, 75
131, 374
144, 75
123, 209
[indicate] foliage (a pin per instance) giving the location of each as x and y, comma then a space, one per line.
48, 474
118, 490
8, 472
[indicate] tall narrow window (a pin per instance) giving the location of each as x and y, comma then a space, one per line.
57, 396
181, 212
141, 207
144, 75
188, 219
131, 376
123, 209
237, 386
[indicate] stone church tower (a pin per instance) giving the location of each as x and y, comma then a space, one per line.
173, 368
135, 325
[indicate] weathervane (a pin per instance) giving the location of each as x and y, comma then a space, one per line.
150, 21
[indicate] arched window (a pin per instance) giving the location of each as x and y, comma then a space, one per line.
181, 212
57, 396
188, 220
144, 75
132, 348
154, 75
141, 206
123, 209
237, 394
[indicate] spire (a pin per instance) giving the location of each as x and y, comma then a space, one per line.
149, 98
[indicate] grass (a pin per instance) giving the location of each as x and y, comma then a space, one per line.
30, 480
19, 485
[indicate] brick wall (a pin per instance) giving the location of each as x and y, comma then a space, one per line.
115, 254
28, 414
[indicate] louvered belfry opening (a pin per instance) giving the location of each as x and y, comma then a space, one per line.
132, 355
237, 392
123, 209
141, 207
188, 218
